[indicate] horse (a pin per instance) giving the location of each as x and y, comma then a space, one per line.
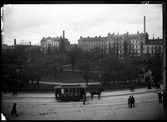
157, 85
96, 92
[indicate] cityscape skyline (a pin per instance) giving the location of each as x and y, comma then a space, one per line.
33, 22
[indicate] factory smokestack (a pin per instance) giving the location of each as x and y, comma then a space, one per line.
63, 34
144, 24
14, 42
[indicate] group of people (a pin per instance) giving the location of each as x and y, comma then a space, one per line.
14, 90
131, 101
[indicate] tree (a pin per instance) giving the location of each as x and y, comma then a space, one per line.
54, 63
85, 66
98, 53
37, 68
108, 65
73, 56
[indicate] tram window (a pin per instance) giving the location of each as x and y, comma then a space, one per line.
62, 91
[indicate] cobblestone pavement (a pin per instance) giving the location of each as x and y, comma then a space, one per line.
107, 108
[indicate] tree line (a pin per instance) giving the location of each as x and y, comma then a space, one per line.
29, 64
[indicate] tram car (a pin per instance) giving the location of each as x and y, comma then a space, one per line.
69, 92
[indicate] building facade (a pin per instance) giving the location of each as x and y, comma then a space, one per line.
89, 43
134, 44
54, 44
137, 44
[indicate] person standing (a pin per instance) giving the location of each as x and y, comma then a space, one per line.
14, 111
160, 97
13, 91
133, 101
84, 98
130, 102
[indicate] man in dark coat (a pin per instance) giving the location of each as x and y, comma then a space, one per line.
130, 102
14, 111
133, 101
84, 98
160, 97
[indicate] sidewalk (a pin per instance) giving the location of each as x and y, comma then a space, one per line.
103, 94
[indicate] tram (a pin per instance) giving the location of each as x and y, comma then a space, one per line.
69, 92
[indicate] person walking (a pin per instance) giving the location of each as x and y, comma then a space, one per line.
130, 102
160, 97
133, 101
14, 111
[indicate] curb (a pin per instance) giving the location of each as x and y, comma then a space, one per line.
88, 93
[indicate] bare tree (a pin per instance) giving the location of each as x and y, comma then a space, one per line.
85, 66
73, 55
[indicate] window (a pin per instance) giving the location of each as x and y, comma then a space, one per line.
62, 91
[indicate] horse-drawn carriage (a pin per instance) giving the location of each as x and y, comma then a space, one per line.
69, 92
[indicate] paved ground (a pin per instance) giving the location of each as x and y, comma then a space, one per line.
111, 106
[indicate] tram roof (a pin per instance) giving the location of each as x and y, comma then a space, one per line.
70, 85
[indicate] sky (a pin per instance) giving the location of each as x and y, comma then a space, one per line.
32, 22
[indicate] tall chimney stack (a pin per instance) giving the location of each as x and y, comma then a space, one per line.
63, 34
14, 42
144, 24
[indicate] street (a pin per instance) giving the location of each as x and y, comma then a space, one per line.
30, 107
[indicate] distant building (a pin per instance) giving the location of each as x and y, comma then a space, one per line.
154, 46
54, 44
137, 44
90, 43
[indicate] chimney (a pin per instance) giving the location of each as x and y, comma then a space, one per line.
14, 42
144, 24
63, 34
30, 43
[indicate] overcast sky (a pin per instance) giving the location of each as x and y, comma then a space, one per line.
33, 22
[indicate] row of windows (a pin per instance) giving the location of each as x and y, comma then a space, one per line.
70, 91
89, 48
97, 43
153, 51
128, 41
129, 51
55, 43
154, 47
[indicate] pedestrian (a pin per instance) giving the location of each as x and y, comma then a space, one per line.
14, 111
132, 88
133, 101
130, 102
84, 98
160, 97
13, 92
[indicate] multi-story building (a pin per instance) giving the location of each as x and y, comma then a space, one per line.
137, 44
127, 43
54, 43
154, 46
90, 43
